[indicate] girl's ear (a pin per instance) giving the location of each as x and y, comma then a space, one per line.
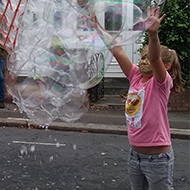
167, 66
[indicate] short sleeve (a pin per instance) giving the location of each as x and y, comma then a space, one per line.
168, 82
133, 71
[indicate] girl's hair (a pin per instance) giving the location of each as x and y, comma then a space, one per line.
170, 56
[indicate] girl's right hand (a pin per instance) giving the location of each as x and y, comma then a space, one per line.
153, 22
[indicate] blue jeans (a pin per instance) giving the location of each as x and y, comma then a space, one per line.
151, 172
2, 81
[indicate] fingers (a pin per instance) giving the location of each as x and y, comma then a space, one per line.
148, 11
157, 11
92, 18
162, 17
152, 11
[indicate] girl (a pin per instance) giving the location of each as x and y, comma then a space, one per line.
151, 157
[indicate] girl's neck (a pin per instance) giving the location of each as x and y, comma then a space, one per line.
146, 77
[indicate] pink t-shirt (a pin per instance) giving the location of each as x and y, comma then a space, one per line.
146, 110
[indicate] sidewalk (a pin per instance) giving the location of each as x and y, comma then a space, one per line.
104, 116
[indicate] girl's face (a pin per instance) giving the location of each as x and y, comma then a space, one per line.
144, 65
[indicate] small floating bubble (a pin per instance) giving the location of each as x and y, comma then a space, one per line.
57, 145
32, 148
74, 147
51, 158
23, 150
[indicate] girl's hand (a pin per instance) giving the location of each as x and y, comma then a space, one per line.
96, 23
93, 20
153, 22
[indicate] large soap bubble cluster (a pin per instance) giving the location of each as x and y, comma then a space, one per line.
62, 52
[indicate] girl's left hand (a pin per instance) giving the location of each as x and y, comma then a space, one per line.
93, 19
153, 22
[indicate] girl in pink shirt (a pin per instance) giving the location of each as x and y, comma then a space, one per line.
151, 157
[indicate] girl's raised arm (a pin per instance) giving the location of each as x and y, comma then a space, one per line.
117, 50
154, 52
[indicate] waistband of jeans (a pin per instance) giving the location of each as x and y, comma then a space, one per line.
134, 153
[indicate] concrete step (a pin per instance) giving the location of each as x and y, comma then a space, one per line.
115, 86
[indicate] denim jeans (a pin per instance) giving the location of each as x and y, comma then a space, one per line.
2, 82
151, 172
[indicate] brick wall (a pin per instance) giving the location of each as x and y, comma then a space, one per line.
179, 102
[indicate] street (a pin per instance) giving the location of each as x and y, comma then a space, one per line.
42, 159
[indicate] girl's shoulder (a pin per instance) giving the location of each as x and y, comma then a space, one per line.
134, 71
166, 84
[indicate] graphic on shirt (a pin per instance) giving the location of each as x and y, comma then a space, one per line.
133, 104
133, 108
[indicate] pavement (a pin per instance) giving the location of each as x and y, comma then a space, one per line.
104, 116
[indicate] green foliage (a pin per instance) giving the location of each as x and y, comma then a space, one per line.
174, 32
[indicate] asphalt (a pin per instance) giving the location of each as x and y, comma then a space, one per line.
104, 116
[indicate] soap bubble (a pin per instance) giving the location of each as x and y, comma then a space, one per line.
61, 52
125, 18
23, 150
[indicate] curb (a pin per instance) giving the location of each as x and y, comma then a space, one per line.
85, 128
